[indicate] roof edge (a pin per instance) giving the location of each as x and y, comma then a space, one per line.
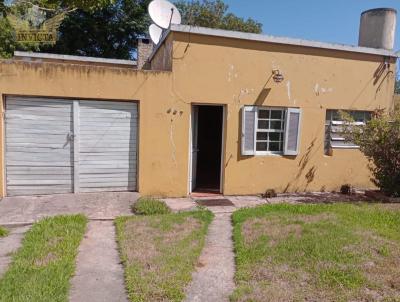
272, 39
39, 55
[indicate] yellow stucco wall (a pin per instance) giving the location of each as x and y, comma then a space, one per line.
233, 73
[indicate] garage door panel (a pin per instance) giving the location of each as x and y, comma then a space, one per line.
27, 124
108, 135
36, 190
23, 170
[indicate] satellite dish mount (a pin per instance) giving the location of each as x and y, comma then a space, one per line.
164, 14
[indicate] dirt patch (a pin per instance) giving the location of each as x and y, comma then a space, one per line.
314, 218
44, 261
143, 240
277, 229
253, 229
180, 231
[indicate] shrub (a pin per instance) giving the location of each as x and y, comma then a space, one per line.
270, 193
150, 206
379, 140
346, 189
3, 232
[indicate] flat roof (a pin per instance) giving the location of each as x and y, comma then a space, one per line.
39, 55
272, 39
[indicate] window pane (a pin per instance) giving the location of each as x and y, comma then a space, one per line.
275, 136
275, 147
358, 116
262, 146
276, 114
263, 124
263, 113
262, 136
336, 115
277, 125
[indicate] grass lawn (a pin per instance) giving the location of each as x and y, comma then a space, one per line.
3, 232
160, 252
338, 252
41, 269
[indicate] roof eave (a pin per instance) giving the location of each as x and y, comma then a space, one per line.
271, 39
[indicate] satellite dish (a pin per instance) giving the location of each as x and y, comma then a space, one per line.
164, 13
155, 33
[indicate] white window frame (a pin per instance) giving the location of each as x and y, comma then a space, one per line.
256, 130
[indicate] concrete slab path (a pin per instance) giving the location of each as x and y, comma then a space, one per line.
29, 209
99, 274
213, 278
9, 245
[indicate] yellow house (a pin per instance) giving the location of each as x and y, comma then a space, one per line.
213, 110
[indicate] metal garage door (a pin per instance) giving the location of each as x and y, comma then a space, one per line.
60, 146
38, 146
107, 156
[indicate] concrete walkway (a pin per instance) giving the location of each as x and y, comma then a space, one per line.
99, 273
29, 209
213, 279
9, 245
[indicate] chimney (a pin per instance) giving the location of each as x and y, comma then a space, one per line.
144, 50
378, 28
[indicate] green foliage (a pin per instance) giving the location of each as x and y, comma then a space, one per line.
7, 40
379, 140
214, 14
3, 232
104, 28
42, 267
150, 206
109, 32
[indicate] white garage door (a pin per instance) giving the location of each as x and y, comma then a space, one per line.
107, 156
61, 146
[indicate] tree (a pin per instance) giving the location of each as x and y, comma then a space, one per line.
111, 31
214, 14
28, 10
379, 140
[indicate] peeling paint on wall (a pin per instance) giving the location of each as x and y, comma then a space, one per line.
289, 92
242, 94
232, 74
321, 90
171, 139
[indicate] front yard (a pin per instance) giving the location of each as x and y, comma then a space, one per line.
42, 267
160, 253
338, 252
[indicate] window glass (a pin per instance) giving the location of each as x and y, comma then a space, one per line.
262, 146
277, 125
262, 136
276, 114
263, 114
270, 131
263, 124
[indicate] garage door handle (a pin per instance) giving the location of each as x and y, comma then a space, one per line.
70, 137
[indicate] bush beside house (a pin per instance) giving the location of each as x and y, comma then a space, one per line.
379, 140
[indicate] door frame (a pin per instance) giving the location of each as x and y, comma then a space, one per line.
223, 145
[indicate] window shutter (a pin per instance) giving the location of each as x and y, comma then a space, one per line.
292, 131
248, 130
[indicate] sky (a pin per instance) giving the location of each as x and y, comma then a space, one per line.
334, 21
